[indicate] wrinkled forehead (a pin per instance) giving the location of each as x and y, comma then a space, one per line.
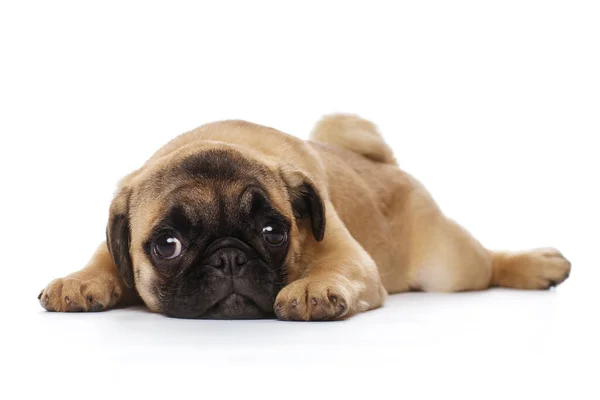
207, 185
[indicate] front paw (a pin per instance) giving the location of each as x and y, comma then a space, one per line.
72, 294
313, 299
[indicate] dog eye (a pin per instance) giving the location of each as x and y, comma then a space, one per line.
274, 235
167, 247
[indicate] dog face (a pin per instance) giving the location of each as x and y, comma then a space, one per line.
211, 231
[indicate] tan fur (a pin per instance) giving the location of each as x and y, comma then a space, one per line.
355, 134
384, 231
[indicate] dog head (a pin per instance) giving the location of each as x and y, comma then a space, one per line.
210, 229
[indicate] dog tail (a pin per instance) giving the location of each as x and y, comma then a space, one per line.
355, 134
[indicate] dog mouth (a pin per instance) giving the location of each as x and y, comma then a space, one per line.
234, 306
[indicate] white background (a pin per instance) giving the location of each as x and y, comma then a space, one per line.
495, 106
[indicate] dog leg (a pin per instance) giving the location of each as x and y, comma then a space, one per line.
341, 282
96, 287
452, 260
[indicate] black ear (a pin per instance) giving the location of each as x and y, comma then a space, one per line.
306, 201
118, 237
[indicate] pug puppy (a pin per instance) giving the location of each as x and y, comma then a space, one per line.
238, 220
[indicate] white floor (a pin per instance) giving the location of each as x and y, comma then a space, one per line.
476, 345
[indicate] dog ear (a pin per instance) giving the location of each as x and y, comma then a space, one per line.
306, 201
118, 236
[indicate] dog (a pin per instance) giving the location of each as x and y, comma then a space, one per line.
238, 220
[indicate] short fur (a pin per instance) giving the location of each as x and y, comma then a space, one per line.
358, 227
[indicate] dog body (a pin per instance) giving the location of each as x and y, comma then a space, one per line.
237, 220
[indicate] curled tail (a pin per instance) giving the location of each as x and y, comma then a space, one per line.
353, 133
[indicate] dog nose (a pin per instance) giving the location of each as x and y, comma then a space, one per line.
228, 259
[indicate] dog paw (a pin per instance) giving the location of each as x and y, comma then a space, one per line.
550, 267
312, 299
73, 294
539, 269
